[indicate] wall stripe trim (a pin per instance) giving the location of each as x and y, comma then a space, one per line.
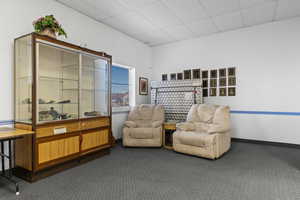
6, 122
264, 113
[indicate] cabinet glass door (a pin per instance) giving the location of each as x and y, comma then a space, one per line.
94, 87
58, 84
23, 80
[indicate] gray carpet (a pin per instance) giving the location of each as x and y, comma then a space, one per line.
248, 171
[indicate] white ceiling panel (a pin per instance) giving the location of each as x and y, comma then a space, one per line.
157, 22
229, 21
260, 14
202, 27
219, 7
187, 10
251, 3
287, 9
178, 32
159, 14
130, 23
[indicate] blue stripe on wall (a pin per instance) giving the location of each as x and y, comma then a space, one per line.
264, 113
6, 122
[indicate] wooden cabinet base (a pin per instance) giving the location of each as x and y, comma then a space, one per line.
32, 177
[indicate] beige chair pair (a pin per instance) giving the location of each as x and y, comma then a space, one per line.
206, 133
144, 126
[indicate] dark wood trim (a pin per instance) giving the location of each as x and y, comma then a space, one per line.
69, 45
262, 142
32, 177
104, 146
57, 137
88, 130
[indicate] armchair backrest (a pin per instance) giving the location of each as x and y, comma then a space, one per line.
209, 114
147, 112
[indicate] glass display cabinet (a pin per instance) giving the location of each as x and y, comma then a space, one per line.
63, 93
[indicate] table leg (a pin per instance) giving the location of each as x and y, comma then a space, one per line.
2, 158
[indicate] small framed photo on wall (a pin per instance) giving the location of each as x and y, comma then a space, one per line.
222, 72
205, 74
231, 81
173, 77
231, 71
231, 91
214, 73
213, 83
164, 77
222, 92
205, 92
205, 83
212, 92
179, 76
187, 74
143, 86
222, 82
196, 73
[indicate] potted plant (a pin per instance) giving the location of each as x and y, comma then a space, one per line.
49, 26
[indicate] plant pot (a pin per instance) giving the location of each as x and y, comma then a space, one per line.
48, 32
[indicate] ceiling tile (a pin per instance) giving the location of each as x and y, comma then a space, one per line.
130, 23
159, 15
250, 3
229, 21
259, 14
218, 7
135, 4
86, 8
154, 37
178, 32
287, 9
202, 27
186, 10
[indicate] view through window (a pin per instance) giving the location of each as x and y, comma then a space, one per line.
120, 86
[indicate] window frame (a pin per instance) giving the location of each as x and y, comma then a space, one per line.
131, 89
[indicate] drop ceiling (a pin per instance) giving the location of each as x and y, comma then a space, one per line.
157, 22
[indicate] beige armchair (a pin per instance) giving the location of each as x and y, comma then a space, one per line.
144, 126
206, 132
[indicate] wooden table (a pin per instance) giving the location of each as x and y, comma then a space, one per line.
9, 135
168, 129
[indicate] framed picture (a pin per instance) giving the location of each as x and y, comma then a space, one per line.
173, 77
222, 92
205, 83
187, 74
213, 83
231, 91
179, 76
214, 73
196, 73
205, 92
231, 71
143, 86
164, 77
222, 82
212, 92
204, 74
222, 72
231, 81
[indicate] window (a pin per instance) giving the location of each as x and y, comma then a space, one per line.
123, 87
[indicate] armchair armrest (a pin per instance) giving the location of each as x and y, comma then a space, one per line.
186, 126
156, 124
217, 128
130, 124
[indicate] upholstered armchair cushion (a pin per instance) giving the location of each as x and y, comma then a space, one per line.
144, 126
141, 133
186, 126
130, 124
206, 132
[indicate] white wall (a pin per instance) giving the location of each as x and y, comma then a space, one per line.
16, 18
267, 58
